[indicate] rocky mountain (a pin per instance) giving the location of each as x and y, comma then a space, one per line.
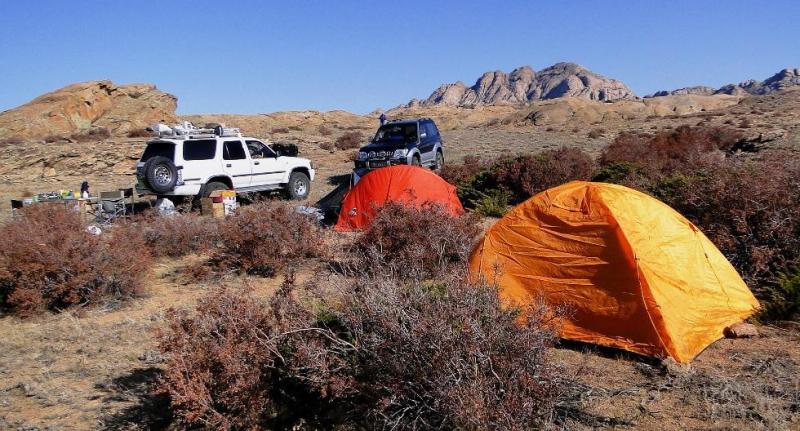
86, 105
700, 90
782, 80
525, 85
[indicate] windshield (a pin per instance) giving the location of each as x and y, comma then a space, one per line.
396, 133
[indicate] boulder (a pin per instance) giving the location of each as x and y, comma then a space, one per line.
741, 330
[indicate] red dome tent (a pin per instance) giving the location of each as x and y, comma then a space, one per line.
402, 183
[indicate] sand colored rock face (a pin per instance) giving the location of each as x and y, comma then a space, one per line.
85, 105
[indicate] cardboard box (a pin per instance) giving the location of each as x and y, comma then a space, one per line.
225, 197
210, 208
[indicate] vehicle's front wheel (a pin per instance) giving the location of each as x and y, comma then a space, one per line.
415, 161
212, 187
299, 186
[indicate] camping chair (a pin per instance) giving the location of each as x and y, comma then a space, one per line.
16, 205
110, 205
129, 194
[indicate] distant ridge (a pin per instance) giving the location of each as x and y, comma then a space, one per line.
782, 80
525, 85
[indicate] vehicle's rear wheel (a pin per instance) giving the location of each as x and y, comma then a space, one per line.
416, 160
212, 187
161, 174
299, 186
439, 163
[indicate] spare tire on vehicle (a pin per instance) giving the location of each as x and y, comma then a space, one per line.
160, 174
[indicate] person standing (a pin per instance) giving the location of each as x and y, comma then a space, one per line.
85, 190
383, 118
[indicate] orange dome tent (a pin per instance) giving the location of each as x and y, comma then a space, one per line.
635, 274
402, 183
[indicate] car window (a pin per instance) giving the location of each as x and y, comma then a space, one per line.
433, 132
201, 149
258, 150
233, 150
163, 149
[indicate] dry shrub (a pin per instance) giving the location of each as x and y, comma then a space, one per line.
49, 139
279, 130
139, 133
178, 235
93, 134
265, 238
11, 141
596, 133
415, 242
349, 140
459, 173
527, 175
327, 146
324, 131
49, 261
669, 150
376, 353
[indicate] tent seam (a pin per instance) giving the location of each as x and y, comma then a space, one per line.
642, 283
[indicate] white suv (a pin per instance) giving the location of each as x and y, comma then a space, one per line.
187, 161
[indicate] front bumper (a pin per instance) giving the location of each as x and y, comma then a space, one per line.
379, 163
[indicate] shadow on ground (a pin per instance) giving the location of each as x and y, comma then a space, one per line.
150, 410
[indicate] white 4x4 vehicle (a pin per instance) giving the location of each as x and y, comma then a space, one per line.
187, 161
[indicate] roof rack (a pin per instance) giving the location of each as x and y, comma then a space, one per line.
187, 130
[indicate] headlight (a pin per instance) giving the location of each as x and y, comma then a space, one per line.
362, 155
399, 154
371, 155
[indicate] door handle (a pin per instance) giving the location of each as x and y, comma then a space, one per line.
256, 163
228, 165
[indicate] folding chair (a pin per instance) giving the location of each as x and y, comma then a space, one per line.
110, 206
16, 205
128, 193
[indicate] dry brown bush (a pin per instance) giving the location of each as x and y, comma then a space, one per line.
264, 238
279, 130
93, 134
178, 235
460, 173
49, 139
596, 133
527, 175
324, 131
11, 140
327, 146
349, 140
669, 150
49, 261
414, 242
139, 133
375, 353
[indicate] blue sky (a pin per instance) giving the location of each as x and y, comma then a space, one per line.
262, 56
